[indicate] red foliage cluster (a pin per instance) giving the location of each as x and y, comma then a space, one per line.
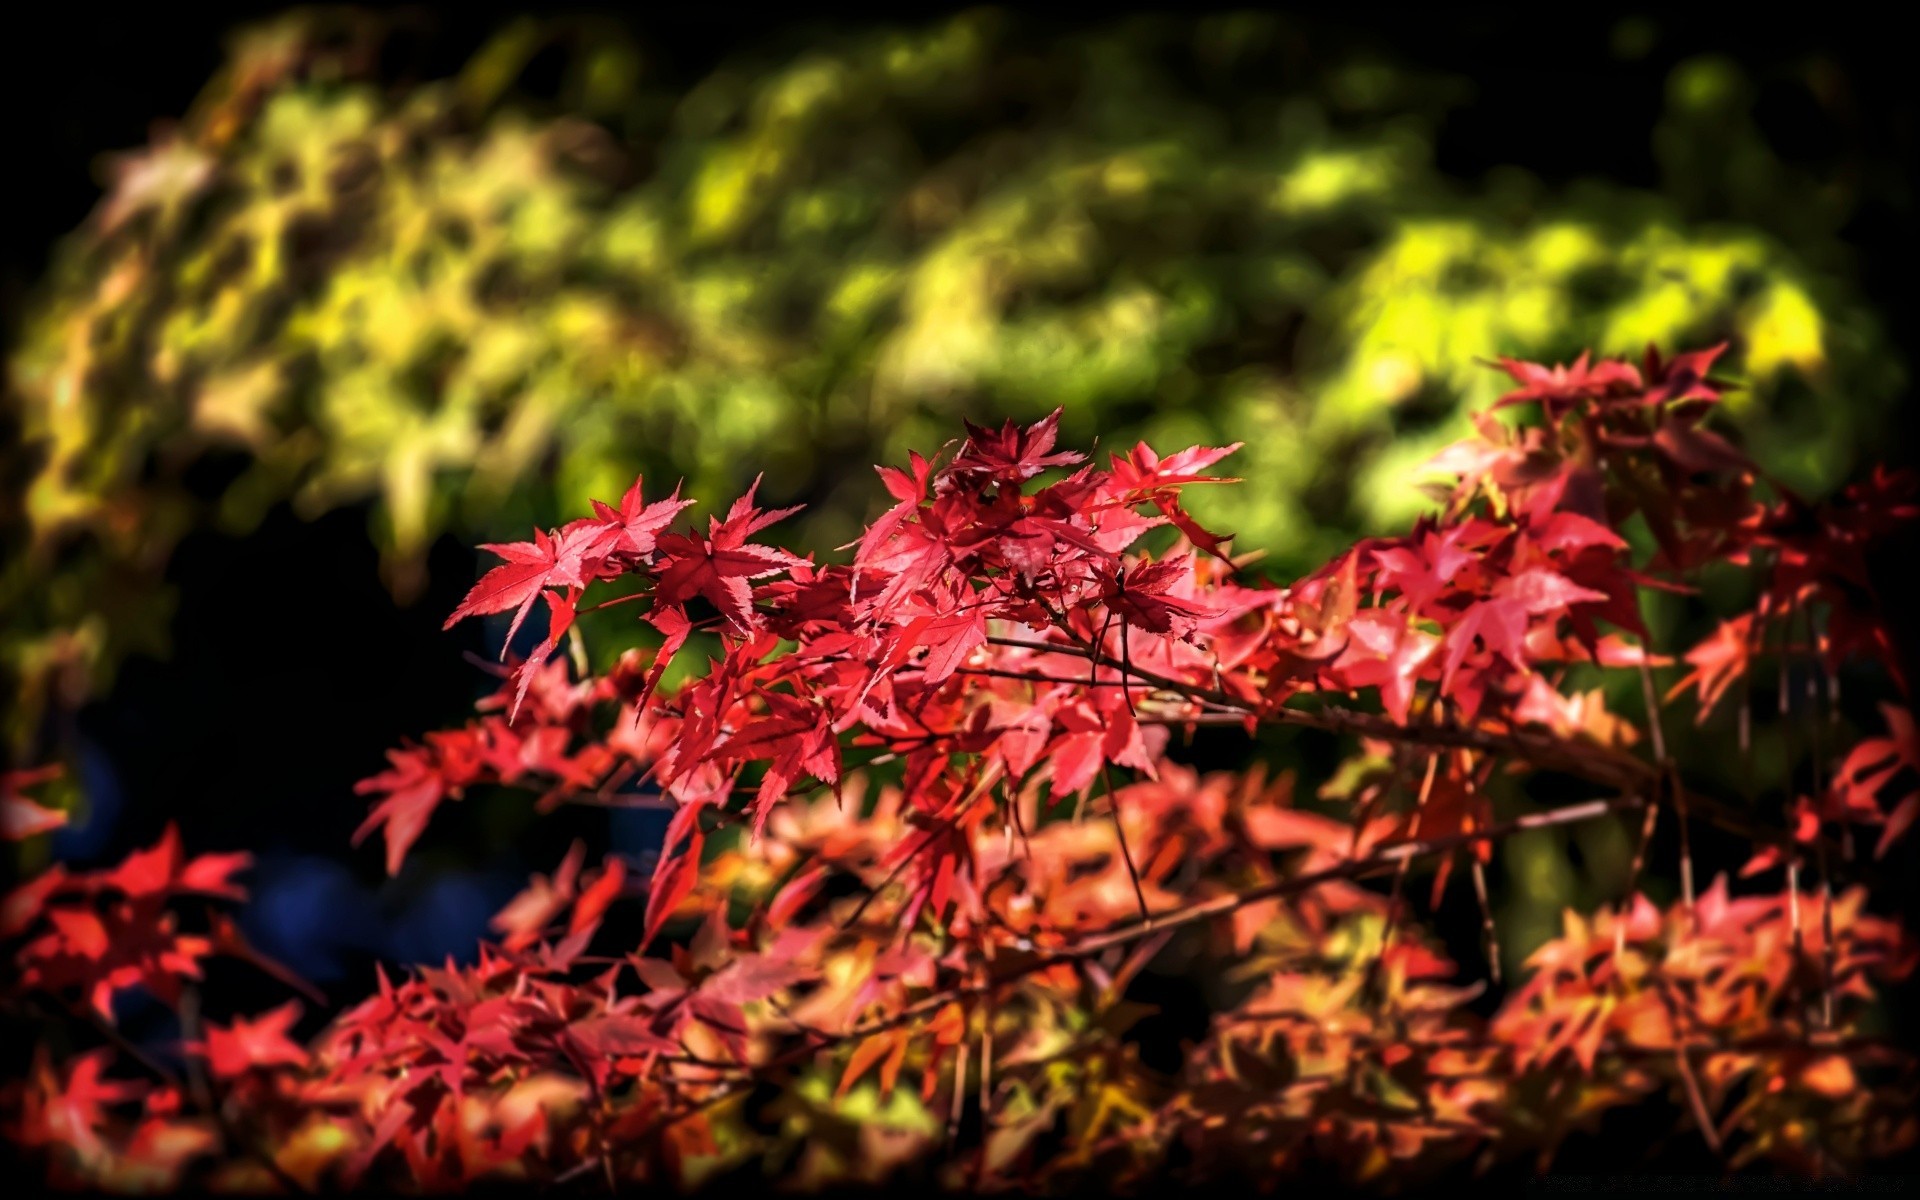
911, 934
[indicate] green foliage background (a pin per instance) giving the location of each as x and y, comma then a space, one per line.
478, 308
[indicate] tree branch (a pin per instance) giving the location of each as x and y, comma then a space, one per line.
1597, 763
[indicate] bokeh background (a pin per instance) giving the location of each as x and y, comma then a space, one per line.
302, 306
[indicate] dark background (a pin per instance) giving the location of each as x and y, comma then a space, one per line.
1552, 95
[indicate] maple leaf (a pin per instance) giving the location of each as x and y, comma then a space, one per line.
1423, 567
162, 869
1092, 733
909, 491
1559, 386
1011, 454
414, 787
1143, 469
890, 1046
1540, 590
674, 624
526, 917
949, 639
746, 979
528, 914
547, 561
1683, 377
71, 1111
1871, 766
1721, 659
1698, 450
674, 877
1141, 598
1385, 650
1571, 532
1500, 621
719, 565
634, 527
27, 903
253, 1043
562, 609
1158, 481
796, 739
595, 897
622, 1035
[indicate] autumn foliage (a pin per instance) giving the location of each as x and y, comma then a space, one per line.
932, 814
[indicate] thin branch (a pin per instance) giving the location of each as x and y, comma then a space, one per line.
1828, 949
1488, 932
1686, 852
986, 1057
1633, 874
959, 1089
121, 1042
1697, 1101
1652, 695
1042, 677
1400, 875
1598, 763
1126, 852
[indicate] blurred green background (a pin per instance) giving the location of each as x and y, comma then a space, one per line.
398, 283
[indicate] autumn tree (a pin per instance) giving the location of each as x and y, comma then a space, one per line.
934, 809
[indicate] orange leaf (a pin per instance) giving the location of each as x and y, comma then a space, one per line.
1830, 1076
864, 1056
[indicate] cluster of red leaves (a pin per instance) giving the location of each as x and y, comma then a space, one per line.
887, 765
552, 746
82, 940
88, 937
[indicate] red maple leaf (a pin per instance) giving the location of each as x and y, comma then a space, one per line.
1139, 596
719, 565
1558, 387
253, 1042
527, 917
1721, 659
1683, 377
562, 608
1871, 766
949, 639
1011, 454
634, 527
546, 561
162, 869
414, 785
71, 1111
909, 491
1144, 470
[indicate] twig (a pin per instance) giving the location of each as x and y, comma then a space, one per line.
1652, 695
1597, 763
1633, 874
1400, 875
1126, 852
959, 1101
1488, 932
